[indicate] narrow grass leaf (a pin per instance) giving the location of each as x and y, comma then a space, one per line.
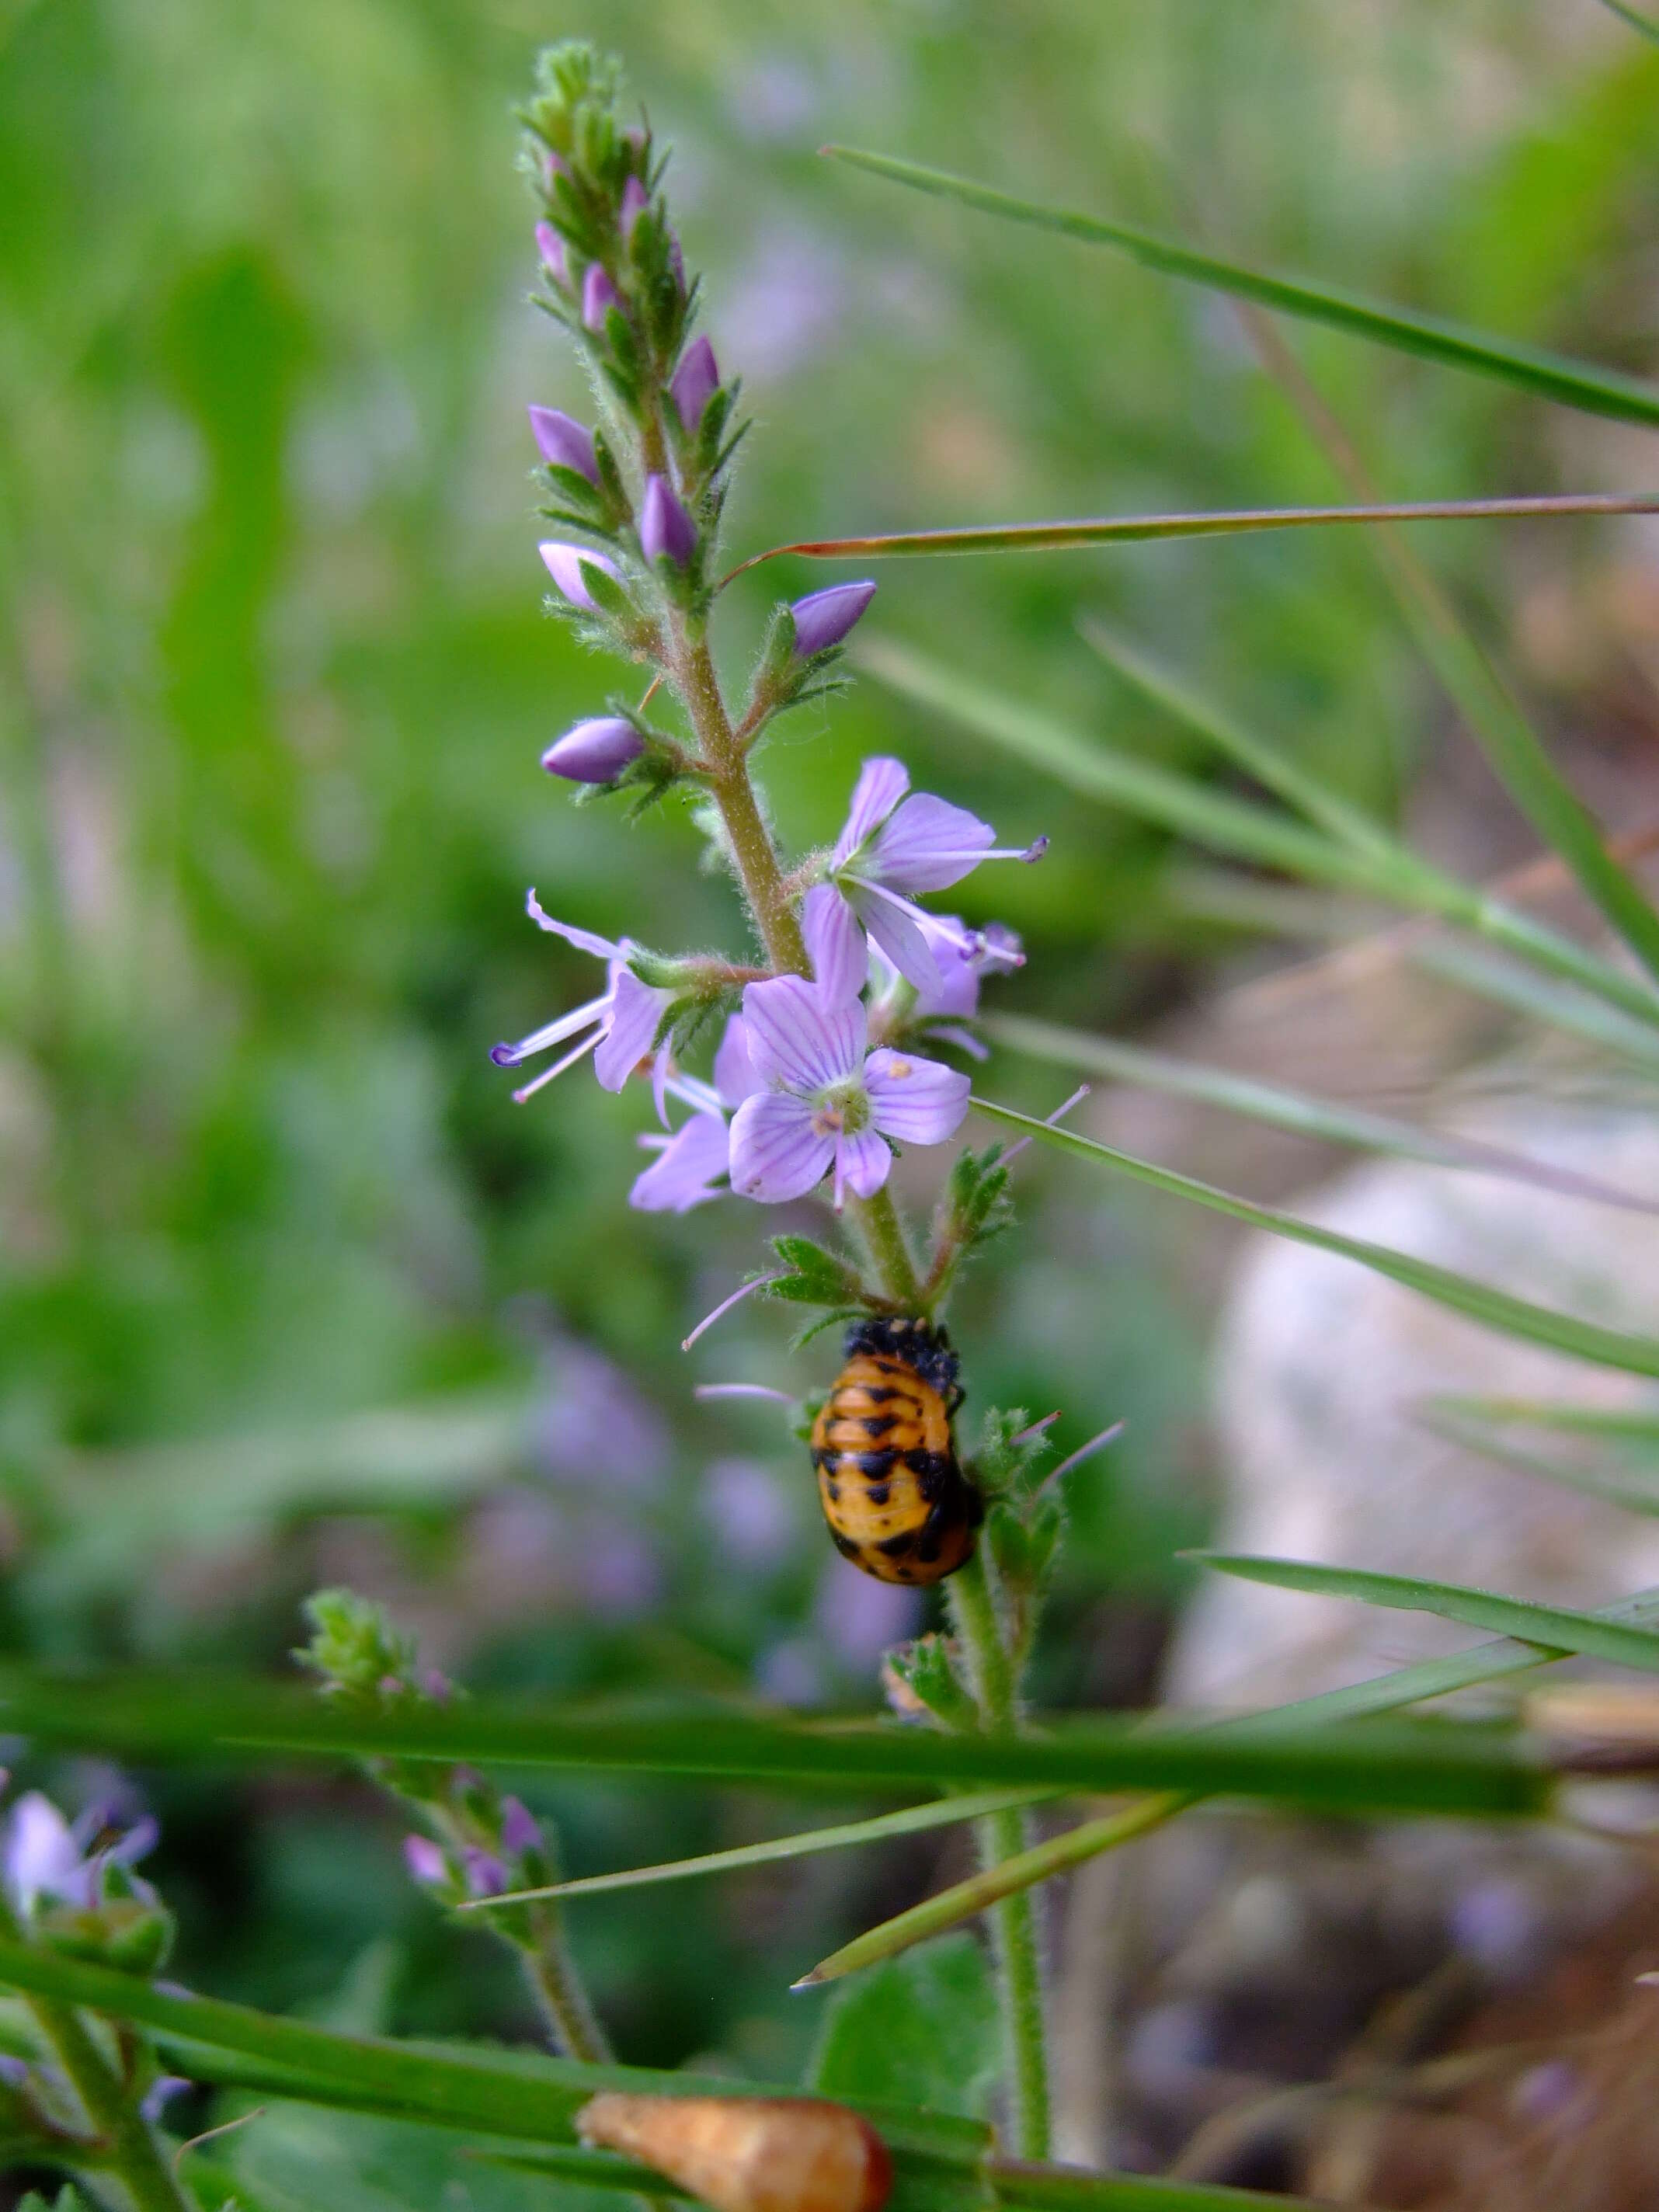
1374, 1769
1069, 2188
1614, 1485
914, 1821
1549, 375
1294, 1111
1558, 1628
1643, 24
1480, 1302
1620, 1424
1239, 828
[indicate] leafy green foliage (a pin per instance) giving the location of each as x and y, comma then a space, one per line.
921, 2030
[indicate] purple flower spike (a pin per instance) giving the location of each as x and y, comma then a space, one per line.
599, 295
824, 618
425, 1861
520, 1830
564, 441
565, 564
665, 526
634, 200
829, 1105
694, 382
595, 751
550, 247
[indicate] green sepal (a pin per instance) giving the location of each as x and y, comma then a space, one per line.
839, 1314
814, 1276
1022, 1540
132, 1933
353, 1646
587, 502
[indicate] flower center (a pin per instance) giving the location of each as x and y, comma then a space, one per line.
842, 1110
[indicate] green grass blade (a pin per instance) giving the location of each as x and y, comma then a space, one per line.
1480, 1302
1558, 1627
1508, 739
1619, 1425
1372, 1769
1643, 24
914, 1821
1549, 375
1563, 1006
1056, 2189
1239, 829
1294, 1111
1614, 1486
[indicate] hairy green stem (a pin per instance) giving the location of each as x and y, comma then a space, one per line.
128, 2149
559, 1991
1016, 1947
878, 1219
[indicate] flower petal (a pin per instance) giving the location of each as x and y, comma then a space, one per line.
834, 943
735, 1079
927, 844
583, 939
796, 1040
776, 1152
634, 1012
898, 929
862, 1161
881, 784
682, 1174
920, 1102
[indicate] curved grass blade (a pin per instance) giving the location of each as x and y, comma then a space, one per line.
1290, 1109
1644, 24
1406, 1685
1239, 829
1375, 1769
1072, 535
1549, 375
1620, 1424
1504, 735
1479, 1302
914, 1821
1614, 1486
1559, 1627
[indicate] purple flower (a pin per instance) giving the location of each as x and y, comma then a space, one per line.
565, 564
426, 1862
691, 1165
618, 1027
599, 295
595, 751
44, 1855
890, 847
666, 528
829, 1106
485, 1874
824, 618
961, 959
550, 247
635, 202
564, 441
520, 1830
694, 382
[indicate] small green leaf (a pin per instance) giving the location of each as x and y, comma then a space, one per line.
922, 2030
1550, 375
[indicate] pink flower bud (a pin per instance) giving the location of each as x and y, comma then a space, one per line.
635, 202
565, 564
564, 441
694, 382
665, 526
550, 247
824, 618
425, 1861
599, 295
595, 751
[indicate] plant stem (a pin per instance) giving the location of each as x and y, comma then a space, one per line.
993, 1679
128, 2150
559, 1991
878, 1219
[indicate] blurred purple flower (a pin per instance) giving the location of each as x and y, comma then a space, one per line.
691, 1163
618, 1027
666, 529
748, 1513
594, 752
829, 1106
694, 382
565, 564
564, 441
485, 1874
860, 1617
550, 247
160, 2093
426, 1862
891, 848
620, 1576
520, 1830
599, 295
595, 1424
634, 200
44, 1855
824, 618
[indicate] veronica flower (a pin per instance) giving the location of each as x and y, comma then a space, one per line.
565, 564
890, 847
564, 441
963, 959
830, 1105
618, 1027
550, 247
691, 1165
44, 1855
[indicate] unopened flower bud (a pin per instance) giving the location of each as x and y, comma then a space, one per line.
635, 202
595, 751
564, 565
485, 1874
550, 247
553, 165
564, 441
665, 526
520, 1830
425, 1861
599, 295
824, 618
694, 382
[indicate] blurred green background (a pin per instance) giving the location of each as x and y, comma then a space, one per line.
290, 1290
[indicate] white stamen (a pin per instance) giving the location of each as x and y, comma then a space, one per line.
1037, 1429
742, 1390
725, 1305
558, 1068
1049, 1122
1084, 1451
